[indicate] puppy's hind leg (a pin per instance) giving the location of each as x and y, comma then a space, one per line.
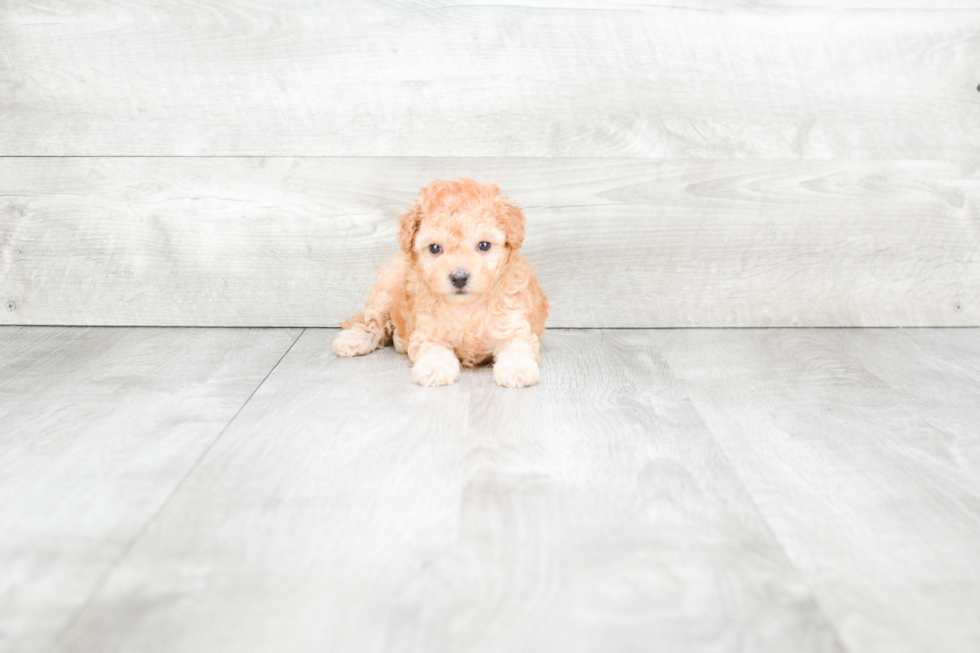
372, 327
367, 330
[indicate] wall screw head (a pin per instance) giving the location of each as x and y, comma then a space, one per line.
958, 307
11, 306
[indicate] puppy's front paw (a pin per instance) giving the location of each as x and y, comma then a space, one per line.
355, 341
515, 372
438, 366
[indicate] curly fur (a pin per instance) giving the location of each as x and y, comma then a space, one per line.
498, 315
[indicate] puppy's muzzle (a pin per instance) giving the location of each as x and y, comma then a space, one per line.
459, 278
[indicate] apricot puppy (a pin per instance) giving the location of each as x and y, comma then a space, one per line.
458, 291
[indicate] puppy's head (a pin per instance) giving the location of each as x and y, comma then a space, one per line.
460, 235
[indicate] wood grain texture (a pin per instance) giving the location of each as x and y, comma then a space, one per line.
347, 510
861, 451
422, 78
97, 429
617, 243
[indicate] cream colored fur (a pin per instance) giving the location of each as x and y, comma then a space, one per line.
498, 314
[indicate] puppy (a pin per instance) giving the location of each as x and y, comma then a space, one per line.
459, 290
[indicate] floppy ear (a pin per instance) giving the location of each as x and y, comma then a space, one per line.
512, 222
408, 226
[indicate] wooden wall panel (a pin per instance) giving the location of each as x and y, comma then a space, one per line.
727, 163
587, 79
617, 242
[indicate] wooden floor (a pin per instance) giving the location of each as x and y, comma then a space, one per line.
203, 490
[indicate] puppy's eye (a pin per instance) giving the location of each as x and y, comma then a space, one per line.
435, 249
484, 246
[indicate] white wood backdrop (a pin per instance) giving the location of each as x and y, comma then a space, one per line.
699, 164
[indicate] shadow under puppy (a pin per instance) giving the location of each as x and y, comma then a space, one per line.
458, 291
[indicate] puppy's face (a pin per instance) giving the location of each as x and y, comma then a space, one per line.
459, 234
460, 254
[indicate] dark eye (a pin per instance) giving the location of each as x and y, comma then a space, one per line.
484, 246
435, 249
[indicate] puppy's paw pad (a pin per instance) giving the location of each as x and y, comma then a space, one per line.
434, 373
354, 342
516, 374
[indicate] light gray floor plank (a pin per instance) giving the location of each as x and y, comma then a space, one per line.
347, 510
861, 450
97, 429
938, 373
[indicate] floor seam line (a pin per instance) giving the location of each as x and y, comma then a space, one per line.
815, 597
145, 527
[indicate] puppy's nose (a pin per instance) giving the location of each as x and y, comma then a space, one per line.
459, 278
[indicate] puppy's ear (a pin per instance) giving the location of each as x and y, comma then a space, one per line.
512, 222
408, 226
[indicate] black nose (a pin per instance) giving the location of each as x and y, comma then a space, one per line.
459, 278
